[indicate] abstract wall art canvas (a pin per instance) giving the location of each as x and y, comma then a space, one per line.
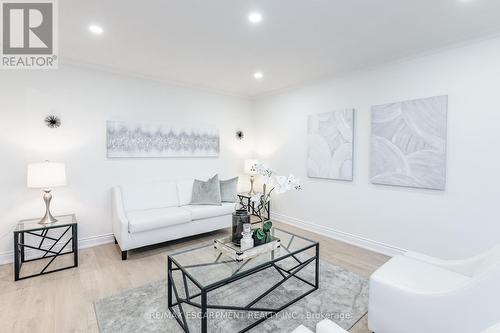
408, 143
160, 140
330, 145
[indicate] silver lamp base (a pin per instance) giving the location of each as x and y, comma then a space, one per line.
252, 191
47, 218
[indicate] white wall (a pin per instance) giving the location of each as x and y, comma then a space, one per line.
85, 99
462, 220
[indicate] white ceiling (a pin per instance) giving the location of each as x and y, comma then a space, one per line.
210, 43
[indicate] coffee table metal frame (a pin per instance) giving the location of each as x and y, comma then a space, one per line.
204, 306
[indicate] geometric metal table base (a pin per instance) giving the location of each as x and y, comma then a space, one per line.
46, 251
286, 274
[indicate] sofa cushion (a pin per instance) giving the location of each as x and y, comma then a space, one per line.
149, 195
229, 190
199, 212
206, 192
149, 219
185, 191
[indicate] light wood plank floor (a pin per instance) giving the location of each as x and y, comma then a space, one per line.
63, 301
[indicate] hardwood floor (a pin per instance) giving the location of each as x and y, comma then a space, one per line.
63, 301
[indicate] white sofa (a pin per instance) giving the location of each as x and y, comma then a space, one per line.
414, 293
324, 326
146, 214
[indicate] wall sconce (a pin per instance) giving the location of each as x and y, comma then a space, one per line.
52, 121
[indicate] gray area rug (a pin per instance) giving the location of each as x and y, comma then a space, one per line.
342, 297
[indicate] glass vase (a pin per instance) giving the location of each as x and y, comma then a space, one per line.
240, 217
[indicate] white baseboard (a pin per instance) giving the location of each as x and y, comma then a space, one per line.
389, 250
96, 240
8, 257
362, 242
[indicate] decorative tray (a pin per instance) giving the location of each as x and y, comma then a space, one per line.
227, 247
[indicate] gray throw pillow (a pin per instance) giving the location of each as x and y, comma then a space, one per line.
206, 193
229, 190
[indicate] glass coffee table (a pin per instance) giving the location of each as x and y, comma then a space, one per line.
198, 278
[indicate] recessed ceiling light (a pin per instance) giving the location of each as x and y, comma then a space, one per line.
258, 75
255, 17
95, 29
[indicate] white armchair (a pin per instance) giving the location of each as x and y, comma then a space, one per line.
414, 293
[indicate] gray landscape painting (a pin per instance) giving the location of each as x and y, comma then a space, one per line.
408, 143
330, 145
160, 140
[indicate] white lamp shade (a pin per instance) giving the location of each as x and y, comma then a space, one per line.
250, 167
46, 175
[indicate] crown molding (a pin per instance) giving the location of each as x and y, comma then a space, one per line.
136, 75
330, 77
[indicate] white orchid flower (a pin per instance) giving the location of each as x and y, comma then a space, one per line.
281, 184
294, 183
264, 170
274, 183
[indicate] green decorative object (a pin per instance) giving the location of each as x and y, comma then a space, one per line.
263, 235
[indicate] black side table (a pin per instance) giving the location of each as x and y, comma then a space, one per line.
50, 246
262, 211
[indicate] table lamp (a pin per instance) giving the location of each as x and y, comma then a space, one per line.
46, 175
250, 169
